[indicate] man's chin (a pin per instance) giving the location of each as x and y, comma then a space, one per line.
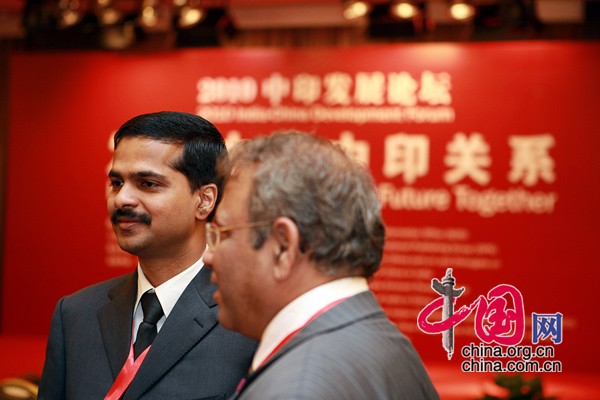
224, 321
130, 247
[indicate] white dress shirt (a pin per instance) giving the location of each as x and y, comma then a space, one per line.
168, 293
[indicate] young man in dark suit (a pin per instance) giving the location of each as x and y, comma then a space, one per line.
154, 333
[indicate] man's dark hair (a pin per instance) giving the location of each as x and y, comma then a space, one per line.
202, 144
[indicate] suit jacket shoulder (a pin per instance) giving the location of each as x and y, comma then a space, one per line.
75, 333
350, 352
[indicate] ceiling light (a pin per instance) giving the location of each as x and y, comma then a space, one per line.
190, 14
70, 13
356, 9
156, 16
462, 10
148, 16
109, 16
404, 10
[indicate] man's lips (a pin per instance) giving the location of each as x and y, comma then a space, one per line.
127, 223
213, 280
217, 296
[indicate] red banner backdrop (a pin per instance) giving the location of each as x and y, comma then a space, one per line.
484, 155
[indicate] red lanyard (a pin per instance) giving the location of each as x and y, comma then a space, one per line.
130, 368
289, 337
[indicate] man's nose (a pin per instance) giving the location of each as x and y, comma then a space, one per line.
126, 196
208, 257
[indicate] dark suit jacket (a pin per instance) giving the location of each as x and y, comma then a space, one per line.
350, 352
192, 357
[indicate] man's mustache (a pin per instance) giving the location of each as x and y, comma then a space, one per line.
130, 215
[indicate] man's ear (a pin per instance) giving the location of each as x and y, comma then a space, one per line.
207, 199
286, 242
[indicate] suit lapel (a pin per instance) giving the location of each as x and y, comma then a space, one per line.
189, 321
116, 319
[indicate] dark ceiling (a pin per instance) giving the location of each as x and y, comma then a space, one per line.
34, 24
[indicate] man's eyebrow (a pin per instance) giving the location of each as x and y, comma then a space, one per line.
138, 175
148, 174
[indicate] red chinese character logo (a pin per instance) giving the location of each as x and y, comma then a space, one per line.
495, 321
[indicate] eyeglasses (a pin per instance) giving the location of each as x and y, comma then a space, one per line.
214, 231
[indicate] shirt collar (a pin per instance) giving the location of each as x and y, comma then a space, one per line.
297, 313
168, 292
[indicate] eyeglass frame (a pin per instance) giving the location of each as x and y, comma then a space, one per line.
213, 228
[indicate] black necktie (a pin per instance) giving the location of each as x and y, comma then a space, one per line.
147, 330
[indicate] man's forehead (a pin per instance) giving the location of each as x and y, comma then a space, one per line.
141, 143
240, 178
235, 195
243, 171
140, 150
235, 186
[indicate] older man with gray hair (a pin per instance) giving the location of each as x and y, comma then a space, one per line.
297, 235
